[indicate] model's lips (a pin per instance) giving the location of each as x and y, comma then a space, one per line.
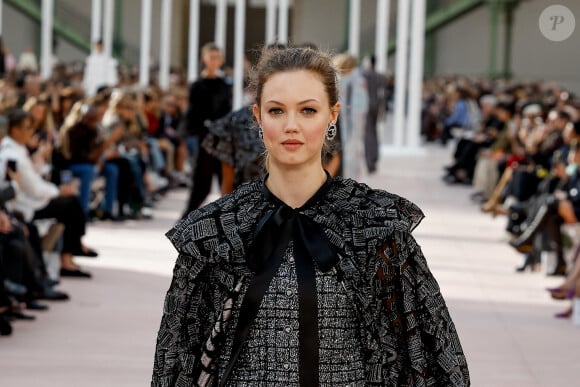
292, 142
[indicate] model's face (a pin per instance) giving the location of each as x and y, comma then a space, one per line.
294, 113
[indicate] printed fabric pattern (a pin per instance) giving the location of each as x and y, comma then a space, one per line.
407, 335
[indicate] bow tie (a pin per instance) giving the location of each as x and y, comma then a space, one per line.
276, 229
283, 224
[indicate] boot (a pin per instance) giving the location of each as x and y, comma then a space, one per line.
495, 197
529, 262
554, 235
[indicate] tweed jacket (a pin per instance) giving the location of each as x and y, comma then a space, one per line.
408, 334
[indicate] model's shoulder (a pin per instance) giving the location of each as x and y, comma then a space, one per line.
214, 220
377, 204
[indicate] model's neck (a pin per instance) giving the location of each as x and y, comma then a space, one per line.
295, 187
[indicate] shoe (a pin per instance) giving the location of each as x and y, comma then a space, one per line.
86, 252
561, 294
33, 305
529, 263
559, 271
52, 295
50, 282
17, 315
5, 327
111, 217
450, 179
78, 273
14, 288
565, 314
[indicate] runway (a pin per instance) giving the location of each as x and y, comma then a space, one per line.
105, 335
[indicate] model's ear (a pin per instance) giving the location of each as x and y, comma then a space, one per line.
334, 111
256, 111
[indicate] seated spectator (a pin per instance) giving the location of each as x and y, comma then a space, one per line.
468, 149
459, 116
24, 276
128, 153
39, 199
82, 147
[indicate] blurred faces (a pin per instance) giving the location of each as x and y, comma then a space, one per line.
38, 113
23, 134
91, 117
294, 113
126, 109
170, 105
212, 60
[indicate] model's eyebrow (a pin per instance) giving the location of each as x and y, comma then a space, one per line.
308, 101
299, 103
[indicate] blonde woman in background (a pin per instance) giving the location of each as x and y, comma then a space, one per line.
355, 105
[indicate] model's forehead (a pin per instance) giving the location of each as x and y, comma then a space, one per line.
299, 85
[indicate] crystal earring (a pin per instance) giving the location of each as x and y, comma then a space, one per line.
260, 132
331, 131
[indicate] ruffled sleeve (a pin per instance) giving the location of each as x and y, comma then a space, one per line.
181, 328
183, 325
433, 351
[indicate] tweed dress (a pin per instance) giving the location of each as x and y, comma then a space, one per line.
237, 312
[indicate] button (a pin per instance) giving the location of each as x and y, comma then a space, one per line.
288, 329
286, 366
289, 292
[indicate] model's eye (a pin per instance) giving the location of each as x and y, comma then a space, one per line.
275, 111
309, 110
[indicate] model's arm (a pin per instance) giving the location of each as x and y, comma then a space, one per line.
427, 328
180, 334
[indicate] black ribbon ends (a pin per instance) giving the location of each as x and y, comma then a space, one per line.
273, 234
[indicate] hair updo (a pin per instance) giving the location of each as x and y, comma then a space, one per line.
277, 60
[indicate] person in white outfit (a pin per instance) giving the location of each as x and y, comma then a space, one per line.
37, 198
100, 70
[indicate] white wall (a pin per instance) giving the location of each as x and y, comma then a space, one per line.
19, 31
463, 47
321, 22
535, 57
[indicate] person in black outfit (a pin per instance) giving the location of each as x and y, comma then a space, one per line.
552, 210
467, 150
209, 99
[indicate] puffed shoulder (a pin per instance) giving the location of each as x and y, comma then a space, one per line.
200, 232
378, 206
225, 226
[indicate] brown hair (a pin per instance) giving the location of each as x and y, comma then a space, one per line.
209, 47
275, 61
344, 62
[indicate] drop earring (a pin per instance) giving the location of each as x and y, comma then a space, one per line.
260, 132
331, 131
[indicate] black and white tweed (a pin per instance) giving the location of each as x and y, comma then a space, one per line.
406, 335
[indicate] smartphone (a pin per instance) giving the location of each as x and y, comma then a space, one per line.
11, 164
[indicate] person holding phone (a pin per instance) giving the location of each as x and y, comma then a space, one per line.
37, 198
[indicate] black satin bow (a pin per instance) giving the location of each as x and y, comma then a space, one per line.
275, 230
